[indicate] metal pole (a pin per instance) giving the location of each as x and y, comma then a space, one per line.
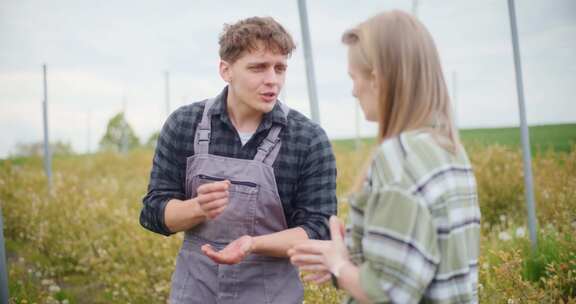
309, 62
124, 136
3, 266
88, 131
415, 8
283, 95
47, 152
527, 158
167, 91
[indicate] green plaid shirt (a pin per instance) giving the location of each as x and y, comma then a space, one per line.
414, 230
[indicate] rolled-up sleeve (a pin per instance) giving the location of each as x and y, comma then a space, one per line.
400, 247
166, 176
315, 193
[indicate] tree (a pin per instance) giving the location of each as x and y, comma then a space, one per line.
119, 136
57, 148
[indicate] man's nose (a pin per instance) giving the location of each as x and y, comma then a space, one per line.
271, 76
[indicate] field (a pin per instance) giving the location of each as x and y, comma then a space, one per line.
82, 243
559, 138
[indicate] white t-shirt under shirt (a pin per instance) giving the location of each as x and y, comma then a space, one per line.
245, 137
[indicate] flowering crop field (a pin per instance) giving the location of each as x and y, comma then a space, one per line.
82, 243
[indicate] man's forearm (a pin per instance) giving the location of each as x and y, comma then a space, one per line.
277, 244
182, 215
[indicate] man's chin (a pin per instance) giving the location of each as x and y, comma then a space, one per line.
266, 107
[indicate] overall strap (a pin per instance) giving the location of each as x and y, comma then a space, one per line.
202, 136
270, 146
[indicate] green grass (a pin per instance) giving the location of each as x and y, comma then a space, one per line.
559, 138
556, 137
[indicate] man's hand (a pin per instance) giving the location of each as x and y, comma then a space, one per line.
234, 253
212, 198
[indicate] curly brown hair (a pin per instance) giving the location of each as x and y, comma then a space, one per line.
246, 34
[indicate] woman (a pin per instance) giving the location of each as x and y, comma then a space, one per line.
413, 225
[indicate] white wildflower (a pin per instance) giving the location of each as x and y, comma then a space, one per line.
54, 288
502, 218
520, 232
504, 236
47, 282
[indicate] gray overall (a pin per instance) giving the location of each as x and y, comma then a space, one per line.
254, 208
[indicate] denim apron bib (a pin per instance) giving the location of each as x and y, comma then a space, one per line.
254, 208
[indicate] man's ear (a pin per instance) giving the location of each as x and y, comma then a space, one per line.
225, 70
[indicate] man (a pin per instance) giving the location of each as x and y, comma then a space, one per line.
244, 176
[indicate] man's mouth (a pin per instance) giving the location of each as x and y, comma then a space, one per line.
268, 96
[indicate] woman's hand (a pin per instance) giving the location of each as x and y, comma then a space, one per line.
321, 257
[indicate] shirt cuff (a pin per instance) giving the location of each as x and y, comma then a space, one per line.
161, 210
372, 284
312, 234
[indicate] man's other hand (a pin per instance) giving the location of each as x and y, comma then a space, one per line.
234, 253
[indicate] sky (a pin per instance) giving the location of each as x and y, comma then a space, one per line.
106, 56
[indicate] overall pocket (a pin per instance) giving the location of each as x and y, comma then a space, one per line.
239, 216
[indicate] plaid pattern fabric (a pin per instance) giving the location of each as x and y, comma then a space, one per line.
414, 230
305, 168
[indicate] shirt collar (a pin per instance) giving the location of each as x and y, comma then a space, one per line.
274, 116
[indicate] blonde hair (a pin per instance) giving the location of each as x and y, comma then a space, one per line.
399, 52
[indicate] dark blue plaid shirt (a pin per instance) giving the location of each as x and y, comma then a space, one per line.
305, 168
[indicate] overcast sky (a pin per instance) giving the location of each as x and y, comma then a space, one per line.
100, 53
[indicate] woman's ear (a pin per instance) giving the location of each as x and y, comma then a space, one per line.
225, 71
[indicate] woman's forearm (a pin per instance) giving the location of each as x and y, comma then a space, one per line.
349, 280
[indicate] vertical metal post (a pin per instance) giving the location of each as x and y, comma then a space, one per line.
283, 94
124, 135
88, 131
415, 8
309, 62
3, 266
47, 152
167, 91
527, 158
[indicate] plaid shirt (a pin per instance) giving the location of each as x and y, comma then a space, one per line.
414, 230
305, 168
